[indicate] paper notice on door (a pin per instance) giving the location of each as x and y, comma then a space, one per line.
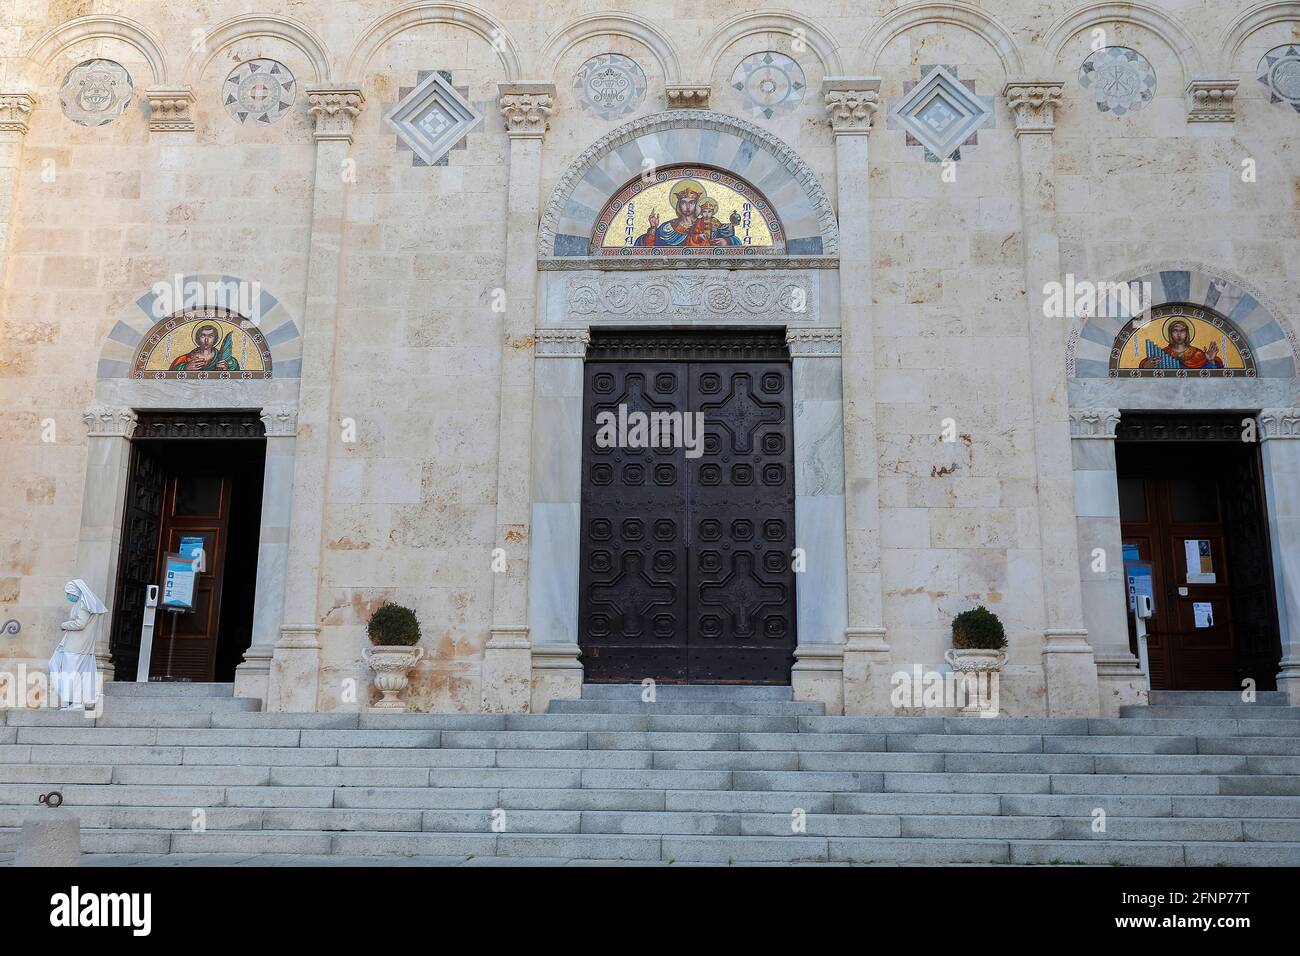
1200, 563
1203, 613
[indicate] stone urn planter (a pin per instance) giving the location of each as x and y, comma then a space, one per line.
395, 633
977, 654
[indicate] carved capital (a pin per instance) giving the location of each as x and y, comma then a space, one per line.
851, 103
1033, 104
561, 343
171, 109
1094, 423
814, 342
281, 421
1211, 101
688, 96
334, 109
1279, 423
15, 110
527, 108
109, 421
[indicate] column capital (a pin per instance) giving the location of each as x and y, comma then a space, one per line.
1094, 423
527, 107
688, 96
109, 421
1033, 103
171, 109
15, 110
1211, 101
281, 421
1279, 423
851, 103
561, 343
816, 342
334, 109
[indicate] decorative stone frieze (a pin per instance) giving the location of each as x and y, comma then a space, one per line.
1279, 423
561, 343
716, 295
814, 342
851, 103
1211, 101
334, 109
1094, 423
281, 421
527, 108
688, 96
171, 109
1033, 104
109, 421
15, 111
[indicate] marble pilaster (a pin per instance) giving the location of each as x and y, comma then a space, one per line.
1279, 433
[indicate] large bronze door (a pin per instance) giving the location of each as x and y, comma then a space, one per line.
686, 552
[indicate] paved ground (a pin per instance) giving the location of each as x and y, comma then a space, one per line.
279, 859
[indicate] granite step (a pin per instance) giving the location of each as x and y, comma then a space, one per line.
688, 692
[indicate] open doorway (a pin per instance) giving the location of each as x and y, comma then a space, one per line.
195, 476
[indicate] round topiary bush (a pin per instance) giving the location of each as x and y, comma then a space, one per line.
978, 629
393, 625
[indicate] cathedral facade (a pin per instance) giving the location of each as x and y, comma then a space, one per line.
730, 346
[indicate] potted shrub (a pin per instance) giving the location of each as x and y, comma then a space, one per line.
395, 634
977, 654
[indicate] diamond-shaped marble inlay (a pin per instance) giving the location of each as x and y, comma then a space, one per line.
432, 117
941, 113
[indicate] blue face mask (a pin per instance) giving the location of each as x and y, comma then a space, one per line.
72, 599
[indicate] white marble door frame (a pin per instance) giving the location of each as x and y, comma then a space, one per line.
556, 454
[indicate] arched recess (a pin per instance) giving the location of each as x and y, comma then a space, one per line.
612, 24
1256, 18
818, 40
239, 28
168, 297
1150, 18
97, 27
1269, 336
688, 137
953, 14
421, 14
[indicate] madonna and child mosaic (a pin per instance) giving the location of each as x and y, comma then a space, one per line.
687, 211
203, 344
1180, 341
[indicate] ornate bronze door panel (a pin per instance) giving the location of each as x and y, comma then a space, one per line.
142, 520
686, 558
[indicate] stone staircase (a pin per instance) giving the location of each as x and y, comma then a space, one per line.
703, 774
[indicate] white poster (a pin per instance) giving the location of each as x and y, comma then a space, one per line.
1203, 612
1200, 563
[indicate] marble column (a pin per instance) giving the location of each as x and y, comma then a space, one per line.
103, 504
1069, 669
556, 515
1103, 586
15, 111
821, 580
295, 663
1279, 433
507, 659
253, 675
851, 106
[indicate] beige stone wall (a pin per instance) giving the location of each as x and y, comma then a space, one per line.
101, 214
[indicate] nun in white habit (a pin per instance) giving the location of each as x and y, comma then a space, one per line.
72, 668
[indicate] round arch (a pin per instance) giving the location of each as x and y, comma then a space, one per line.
773, 21
1156, 21
1252, 20
1271, 338
613, 24
955, 14
235, 29
686, 137
96, 27
444, 11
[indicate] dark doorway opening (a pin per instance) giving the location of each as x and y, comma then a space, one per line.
686, 572
1192, 503
192, 475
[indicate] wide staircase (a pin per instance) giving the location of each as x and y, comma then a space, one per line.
701, 774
